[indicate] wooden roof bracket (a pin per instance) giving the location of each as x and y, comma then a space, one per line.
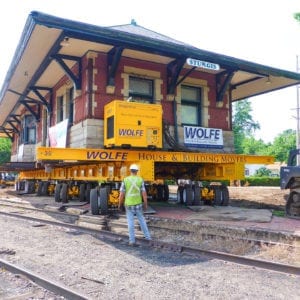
47, 104
29, 108
15, 117
77, 79
7, 132
222, 83
185, 75
113, 60
15, 129
173, 71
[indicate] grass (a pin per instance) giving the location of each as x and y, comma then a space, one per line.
278, 213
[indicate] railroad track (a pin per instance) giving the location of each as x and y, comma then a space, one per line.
54, 287
173, 247
117, 223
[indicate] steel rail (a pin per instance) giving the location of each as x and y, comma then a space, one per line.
258, 242
48, 284
263, 264
212, 236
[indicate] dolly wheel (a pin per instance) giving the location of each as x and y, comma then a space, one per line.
94, 201
104, 192
292, 207
166, 193
82, 192
64, 193
188, 196
225, 195
57, 192
40, 187
180, 195
45, 186
218, 196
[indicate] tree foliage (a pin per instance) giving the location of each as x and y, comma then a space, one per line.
263, 171
282, 144
5, 150
243, 124
297, 16
244, 128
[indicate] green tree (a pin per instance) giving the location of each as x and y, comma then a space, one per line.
263, 171
243, 124
5, 150
252, 146
282, 145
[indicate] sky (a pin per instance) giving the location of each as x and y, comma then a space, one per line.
261, 31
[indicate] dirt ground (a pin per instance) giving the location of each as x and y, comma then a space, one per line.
258, 197
250, 196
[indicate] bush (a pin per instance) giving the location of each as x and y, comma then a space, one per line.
261, 181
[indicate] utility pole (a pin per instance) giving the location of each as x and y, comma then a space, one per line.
298, 107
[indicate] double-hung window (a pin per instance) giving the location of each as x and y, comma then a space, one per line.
141, 89
70, 98
190, 105
29, 130
60, 109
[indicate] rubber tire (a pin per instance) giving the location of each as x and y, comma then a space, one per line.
188, 196
31, 187
154, 192
225, 196
197, 195
88, 191
82, 192
160, 192
40, 187
180, 195
289, 203
166, 193
104, 194
94, 204
218, 196
57, 192
45, 186
64, 193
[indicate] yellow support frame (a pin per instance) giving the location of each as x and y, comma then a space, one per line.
113, 164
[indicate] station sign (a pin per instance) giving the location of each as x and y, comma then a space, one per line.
202, 64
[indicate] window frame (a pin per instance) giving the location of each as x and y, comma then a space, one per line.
196, 103
29, 127
70, 103
60, 108
140, 97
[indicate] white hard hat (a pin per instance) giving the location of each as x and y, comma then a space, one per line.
134, 167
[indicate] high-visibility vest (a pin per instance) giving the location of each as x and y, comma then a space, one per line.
133, 186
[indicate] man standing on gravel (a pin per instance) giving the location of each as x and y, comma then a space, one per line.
133, 191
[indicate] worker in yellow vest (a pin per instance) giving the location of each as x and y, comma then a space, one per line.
133, 191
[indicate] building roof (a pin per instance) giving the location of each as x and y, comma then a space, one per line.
134, 28
40, 55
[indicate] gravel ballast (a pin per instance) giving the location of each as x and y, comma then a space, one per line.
103, 269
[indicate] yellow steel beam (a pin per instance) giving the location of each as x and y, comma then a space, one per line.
103, 155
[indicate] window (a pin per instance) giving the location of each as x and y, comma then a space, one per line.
141, 89
29, 130
60, 109
190, 105
71, 105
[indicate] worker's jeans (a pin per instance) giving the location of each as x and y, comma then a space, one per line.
136, 210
